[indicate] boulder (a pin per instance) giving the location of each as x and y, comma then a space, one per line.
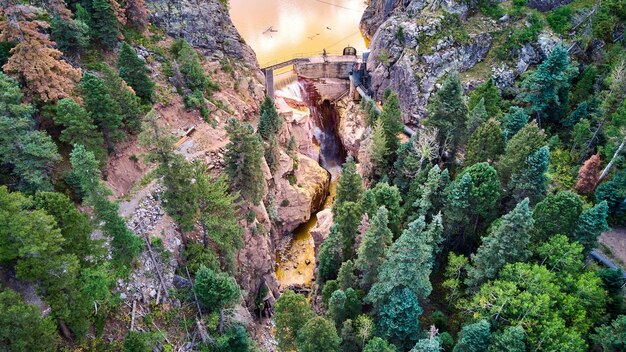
322, 228
298, 192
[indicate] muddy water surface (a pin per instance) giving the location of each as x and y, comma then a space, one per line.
279, 29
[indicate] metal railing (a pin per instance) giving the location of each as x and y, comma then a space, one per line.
297, 56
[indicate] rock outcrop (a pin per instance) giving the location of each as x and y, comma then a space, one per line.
547, 5
299, 125
321, 230
411, 63
351, 125
204, 24
377, 12
298, 192
256, 260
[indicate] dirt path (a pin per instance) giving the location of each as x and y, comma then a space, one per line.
615, 241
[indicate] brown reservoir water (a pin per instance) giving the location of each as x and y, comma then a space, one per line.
280, 29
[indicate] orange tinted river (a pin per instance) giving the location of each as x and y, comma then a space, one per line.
280, 29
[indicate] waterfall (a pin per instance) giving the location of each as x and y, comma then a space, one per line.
325, 119
294, 90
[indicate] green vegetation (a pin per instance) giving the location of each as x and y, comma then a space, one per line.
478, 225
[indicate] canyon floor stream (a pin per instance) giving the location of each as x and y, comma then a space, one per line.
281, 29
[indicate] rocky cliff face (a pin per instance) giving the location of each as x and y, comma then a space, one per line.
410, 56
421, 41
298, 192
377, 12
204, 24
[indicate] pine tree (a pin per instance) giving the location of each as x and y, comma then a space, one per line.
457, 204
447, 112
330, 256
343, 305
485, 144
474, 337
588, 175
590, 225
76, 228
291, 314
318, 334
178, 201
215, 291
519, 148
391, 118
612, 337
557, 213
243, 159
371, 253
388, 196
510, 339
123, 94
105, 111
346, 278
484, 190
70, 35
398, 318
28, 238
23, 327
407, 166
428, 197
272, 153
190, 67
270, 122
104, 24
133, 70
217, 211
125, 245
26, 155
379, 152
477, 116
347, 219
430, 344
531, 182
33, 61
506, 242
350, 185
409, 262
79, 127
547, 88
488, 92
378, 345
514, 121
614, 192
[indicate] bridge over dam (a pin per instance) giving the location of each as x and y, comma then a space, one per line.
335, 75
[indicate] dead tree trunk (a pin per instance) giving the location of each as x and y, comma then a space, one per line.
610, 164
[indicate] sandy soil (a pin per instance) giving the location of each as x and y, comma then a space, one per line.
615, 240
